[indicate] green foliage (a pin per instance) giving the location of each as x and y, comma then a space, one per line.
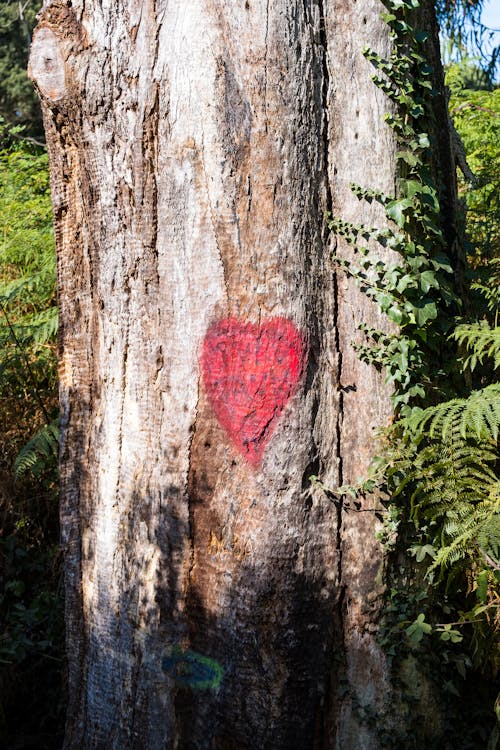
438, 463
453, 492
439, 467
18, 102
28, 311
417, 291
486, 284
466, 74
477, 416
40, 452
26, 602
417, 629
444, 458
441, 461
31, 617
476, 115
26, 233
481, 342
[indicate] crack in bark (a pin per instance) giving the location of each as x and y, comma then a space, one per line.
190, 510
340, 604
329, 206
265, 65
212, 218
123, 388
154, 115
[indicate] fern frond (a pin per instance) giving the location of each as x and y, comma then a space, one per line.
478, 529
39, 452
477, 415
41, 327
481, 341
489, 536
488, 284
39, 285
454, 487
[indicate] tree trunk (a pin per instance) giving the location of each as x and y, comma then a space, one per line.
215, 598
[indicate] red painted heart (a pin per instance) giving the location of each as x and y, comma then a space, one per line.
250, 372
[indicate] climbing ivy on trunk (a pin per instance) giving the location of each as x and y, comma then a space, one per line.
437, 461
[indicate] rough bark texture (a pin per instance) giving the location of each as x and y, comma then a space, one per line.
195, 147
361, 151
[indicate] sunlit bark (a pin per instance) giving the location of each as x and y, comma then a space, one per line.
215, 597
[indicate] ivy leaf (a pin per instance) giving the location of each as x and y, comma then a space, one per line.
419, 552
395, 314
428, 311
417, 111
395, 210
404, 282
418, 629
441, 262
384, 299
447, 634
482, 586
416, 390
410, 187
448, 295
409, 157
428, 280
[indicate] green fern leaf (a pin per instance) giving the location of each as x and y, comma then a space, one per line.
478, 415
39, 452
481, 342
42, 327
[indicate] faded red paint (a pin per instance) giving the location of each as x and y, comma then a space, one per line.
250, 371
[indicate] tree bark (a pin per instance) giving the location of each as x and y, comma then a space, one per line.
215, 598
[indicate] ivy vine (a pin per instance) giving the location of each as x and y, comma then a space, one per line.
438, 460
417, 290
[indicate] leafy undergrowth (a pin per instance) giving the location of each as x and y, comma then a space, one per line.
438, 462
31, 602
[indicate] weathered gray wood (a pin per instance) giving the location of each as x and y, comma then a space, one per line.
195, 148
361, 151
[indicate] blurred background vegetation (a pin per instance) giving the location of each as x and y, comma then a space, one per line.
31, 596
31, 601
18, 101
31, 633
